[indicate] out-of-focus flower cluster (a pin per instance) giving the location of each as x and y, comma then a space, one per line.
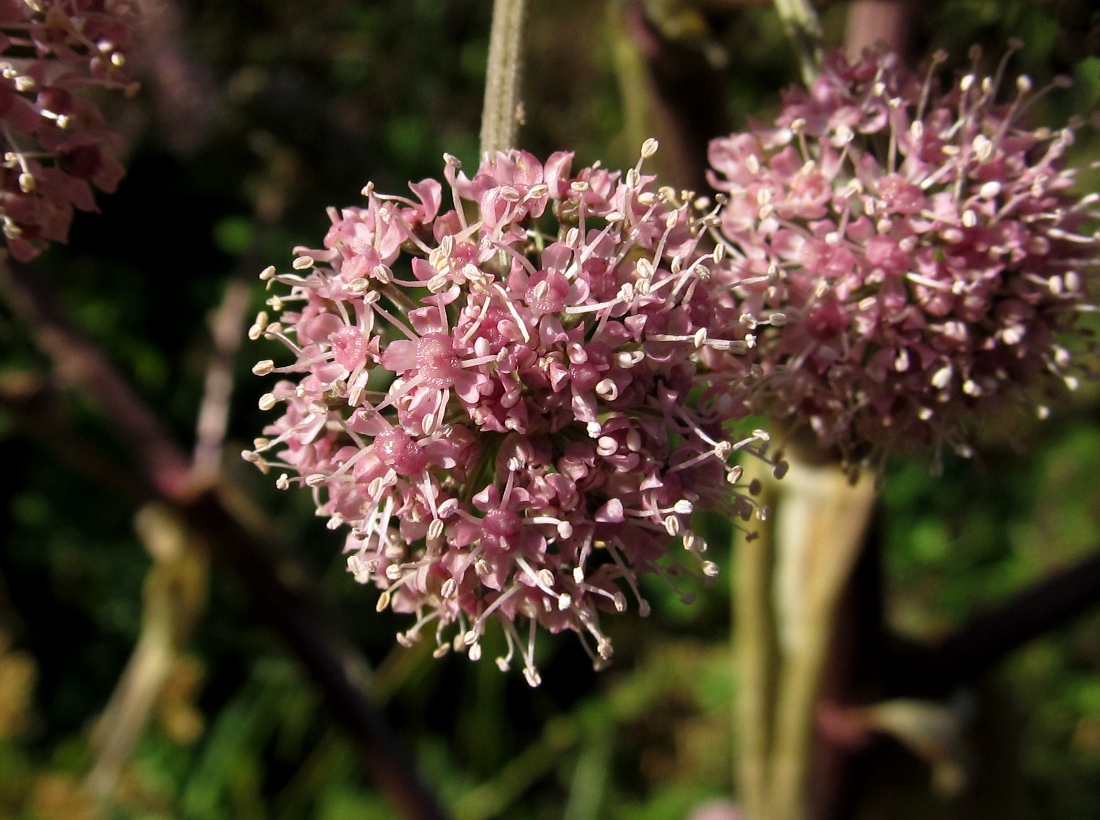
924, 246
502, 392
56, 144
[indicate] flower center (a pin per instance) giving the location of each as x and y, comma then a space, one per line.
397, 450
500, 529
349, 348
436, 360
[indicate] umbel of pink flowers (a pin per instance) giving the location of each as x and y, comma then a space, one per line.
924, 244
55, 142
505, 390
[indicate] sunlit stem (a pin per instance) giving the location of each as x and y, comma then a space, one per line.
501, 114
820, 521
804, 30
756, 650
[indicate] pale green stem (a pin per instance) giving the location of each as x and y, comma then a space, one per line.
755, 653
804, 30
502, 113
630, 71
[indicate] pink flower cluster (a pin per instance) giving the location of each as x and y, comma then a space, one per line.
501, 391
56, 145
924, 246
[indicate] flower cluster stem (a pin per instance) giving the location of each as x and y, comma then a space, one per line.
501, 114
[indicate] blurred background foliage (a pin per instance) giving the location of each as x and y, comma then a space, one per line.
295, 106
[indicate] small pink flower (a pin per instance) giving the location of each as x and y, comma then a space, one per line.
924, 247
56, 144
503, 393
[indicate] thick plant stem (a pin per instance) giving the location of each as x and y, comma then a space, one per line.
501, 114
755, 653
804, 30
820, 525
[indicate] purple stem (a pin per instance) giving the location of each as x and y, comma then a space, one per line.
979, 645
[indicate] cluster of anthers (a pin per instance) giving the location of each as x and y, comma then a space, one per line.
55, 143
504, 397
924, 246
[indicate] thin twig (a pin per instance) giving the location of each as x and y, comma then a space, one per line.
79, 364
386, 761
37, 409
226, 330
184, 95
228, 320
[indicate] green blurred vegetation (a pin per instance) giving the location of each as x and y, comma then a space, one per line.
312, 100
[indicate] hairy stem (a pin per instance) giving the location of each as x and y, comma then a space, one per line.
501, 114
